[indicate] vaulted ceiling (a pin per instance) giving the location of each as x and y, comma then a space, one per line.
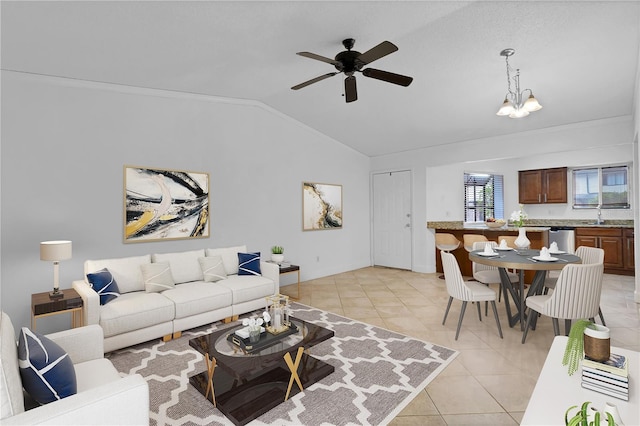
579, 57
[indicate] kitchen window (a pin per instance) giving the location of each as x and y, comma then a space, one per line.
607, 187
483, 197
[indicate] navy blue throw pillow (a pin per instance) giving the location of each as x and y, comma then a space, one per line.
45, 368
249, 263
104, 284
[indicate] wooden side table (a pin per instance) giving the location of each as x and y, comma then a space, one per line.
289, 270
43, 306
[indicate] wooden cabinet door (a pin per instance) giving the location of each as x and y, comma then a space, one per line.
612, 247
554, 185
586, 240
629, 250
530, 186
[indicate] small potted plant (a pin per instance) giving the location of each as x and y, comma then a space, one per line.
597, 347
589, 416
277, 254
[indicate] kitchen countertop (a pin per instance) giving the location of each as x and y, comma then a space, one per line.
532, 225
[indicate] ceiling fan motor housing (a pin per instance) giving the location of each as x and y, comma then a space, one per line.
349, 62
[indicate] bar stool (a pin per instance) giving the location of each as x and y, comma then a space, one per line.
469, 239
446, 243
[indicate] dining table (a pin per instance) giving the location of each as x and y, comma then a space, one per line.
521, 260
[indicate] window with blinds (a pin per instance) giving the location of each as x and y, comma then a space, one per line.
483, 197
604, 186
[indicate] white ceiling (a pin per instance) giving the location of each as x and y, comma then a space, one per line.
579, 57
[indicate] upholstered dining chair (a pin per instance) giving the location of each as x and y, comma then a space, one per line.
469, 239
486, 274
589, 255
446, 242
510, 239
465, 291
576, 296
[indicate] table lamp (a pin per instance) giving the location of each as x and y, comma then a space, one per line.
55, 251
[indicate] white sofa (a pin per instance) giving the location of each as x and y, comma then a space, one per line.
103, 396
138, 316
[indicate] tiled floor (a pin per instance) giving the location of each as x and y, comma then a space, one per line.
492, 379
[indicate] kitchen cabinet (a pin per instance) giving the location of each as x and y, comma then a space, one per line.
542, 186
629, 251
611, 241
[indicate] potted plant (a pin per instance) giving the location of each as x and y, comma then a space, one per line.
598, 347
588, 416
277, 254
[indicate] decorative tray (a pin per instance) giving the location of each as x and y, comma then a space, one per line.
266, 339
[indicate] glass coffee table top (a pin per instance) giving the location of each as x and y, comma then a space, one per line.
248, 384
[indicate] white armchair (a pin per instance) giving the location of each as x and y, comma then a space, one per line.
103, 397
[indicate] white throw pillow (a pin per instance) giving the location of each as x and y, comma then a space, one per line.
229, 257
213, 268
157, 277
184, 265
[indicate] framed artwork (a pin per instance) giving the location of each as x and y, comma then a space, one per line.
164, 205
321, 206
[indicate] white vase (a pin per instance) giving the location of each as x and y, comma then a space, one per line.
522, 242
613, 410
277, 258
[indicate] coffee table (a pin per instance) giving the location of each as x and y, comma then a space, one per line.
244, 385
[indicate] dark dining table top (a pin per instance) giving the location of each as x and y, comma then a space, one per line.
523, 259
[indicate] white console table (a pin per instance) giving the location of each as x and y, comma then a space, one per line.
556, 391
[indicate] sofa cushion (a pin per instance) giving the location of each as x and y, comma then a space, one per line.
229, 257
11, 396
104, 284
249, 263
246, 288
212, 268
96, 372
184, 265
157, 277
134, 311
126, 271
197, 297
45, 368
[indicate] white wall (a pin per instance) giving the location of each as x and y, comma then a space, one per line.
438, 172
64, 145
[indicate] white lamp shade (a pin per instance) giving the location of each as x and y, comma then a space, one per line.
519, 113
506, 108
532, 104
55, 250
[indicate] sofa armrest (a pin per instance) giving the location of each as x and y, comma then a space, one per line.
82, 343
90, 301
271, 271
122, 402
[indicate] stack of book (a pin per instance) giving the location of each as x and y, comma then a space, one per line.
610, 377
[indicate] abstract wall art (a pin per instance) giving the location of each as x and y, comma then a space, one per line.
164, 205
321, 206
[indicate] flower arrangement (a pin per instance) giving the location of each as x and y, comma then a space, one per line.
518, 217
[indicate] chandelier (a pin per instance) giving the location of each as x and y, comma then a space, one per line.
515, 104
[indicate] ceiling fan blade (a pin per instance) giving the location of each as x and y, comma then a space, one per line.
389, 77
319, 58
375, 53
350, 92
313, 80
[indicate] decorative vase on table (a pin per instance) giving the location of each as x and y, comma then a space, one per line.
522, 242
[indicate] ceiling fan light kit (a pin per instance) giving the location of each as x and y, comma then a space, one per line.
515, 105
350, 61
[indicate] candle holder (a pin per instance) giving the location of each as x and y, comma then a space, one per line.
279, 309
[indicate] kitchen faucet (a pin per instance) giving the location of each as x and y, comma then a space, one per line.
599, 220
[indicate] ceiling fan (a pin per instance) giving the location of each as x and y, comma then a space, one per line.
350, 61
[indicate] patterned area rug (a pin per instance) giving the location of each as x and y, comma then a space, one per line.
377, 373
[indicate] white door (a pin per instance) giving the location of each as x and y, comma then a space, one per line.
392, 219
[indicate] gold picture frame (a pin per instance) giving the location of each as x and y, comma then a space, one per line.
321, 206
165, 204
